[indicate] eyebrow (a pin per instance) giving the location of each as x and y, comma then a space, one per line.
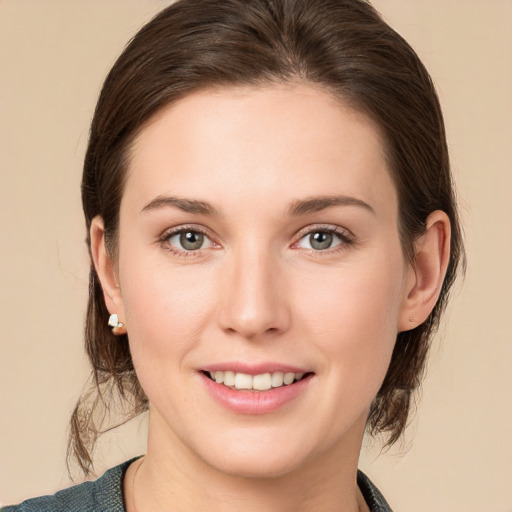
316, 204
296, 208
186, 205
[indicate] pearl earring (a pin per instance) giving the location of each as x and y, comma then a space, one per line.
118, 328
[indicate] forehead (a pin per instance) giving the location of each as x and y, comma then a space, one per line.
254, 142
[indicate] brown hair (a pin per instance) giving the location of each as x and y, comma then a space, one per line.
342, 45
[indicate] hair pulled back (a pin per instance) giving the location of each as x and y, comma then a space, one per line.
342, 45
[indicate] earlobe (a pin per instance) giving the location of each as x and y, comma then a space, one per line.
105, 268
432, 254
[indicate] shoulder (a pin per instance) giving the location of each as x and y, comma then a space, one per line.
373, 497
101, 495
75, 499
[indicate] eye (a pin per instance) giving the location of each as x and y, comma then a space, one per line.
320, 240
188, 240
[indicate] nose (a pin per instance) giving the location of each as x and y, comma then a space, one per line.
253, 297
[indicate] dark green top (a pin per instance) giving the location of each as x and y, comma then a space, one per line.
105, 495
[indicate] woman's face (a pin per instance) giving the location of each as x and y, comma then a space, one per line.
258, 237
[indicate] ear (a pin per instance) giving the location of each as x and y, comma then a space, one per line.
106, 269
426, 273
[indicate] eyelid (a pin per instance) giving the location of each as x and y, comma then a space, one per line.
170, 232
344, 234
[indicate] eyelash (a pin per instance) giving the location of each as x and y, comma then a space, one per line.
346, 239
182, 253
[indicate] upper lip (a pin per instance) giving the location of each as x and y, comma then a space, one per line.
254, 368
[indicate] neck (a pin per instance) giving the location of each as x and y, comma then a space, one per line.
170, 474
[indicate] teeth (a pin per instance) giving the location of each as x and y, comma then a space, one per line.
277, 379
243, 381
229, 378
261, 382
289, 378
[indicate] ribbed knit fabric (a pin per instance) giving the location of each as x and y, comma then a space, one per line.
105, 495
101, 495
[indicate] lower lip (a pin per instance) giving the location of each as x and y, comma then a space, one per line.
255, 402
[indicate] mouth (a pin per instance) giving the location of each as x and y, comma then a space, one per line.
256, 389
262, 382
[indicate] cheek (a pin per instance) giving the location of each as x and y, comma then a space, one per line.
353, 320
164, 310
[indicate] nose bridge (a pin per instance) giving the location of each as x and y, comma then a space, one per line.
253, 300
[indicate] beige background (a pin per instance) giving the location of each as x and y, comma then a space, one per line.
53, 57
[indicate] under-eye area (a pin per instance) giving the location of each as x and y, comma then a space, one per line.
261, 382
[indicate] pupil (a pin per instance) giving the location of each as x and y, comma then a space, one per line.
191, 240
320, 240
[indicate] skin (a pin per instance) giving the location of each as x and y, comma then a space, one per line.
258, 291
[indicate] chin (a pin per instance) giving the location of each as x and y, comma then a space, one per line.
266, 456
255, 467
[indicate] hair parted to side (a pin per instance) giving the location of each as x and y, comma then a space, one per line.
342, 45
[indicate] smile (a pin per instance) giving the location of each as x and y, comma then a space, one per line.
254, 391
261, 382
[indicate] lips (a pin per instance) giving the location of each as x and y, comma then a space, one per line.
262, 389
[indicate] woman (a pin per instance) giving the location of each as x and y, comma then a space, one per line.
273, 235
